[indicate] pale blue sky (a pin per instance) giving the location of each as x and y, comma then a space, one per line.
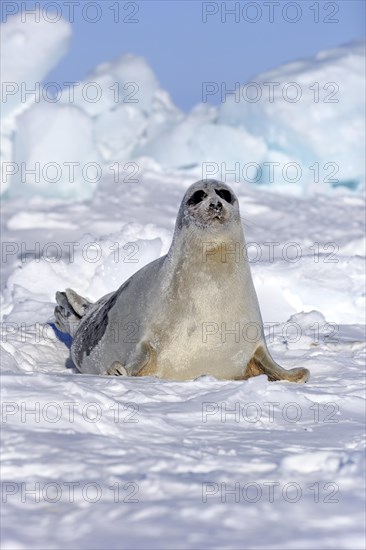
184, 51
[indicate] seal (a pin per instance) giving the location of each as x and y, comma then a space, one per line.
190, 313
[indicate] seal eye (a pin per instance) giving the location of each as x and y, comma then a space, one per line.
197, 197
225, 194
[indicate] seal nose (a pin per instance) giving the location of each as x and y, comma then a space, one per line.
216, 205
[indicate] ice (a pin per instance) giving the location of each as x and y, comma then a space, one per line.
195, 141
328, 128
122, 114
28, 51
56, 142
126, 104
119, 131
126, 81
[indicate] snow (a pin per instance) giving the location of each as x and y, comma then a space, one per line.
147, 463
191, 441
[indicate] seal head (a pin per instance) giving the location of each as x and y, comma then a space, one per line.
208, 204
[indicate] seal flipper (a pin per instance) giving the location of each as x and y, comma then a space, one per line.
117, 369
262, 363
143, 364
78, 303
70, 309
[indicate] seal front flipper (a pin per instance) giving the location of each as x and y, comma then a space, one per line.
143, 364
262, 363
117, 369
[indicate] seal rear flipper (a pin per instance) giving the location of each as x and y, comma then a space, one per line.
78, 303
262, 363
71, 307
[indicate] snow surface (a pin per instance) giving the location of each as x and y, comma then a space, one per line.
161, 459
183, 446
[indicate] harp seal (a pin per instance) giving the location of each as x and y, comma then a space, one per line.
194, 311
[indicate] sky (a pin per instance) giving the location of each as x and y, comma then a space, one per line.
188, 42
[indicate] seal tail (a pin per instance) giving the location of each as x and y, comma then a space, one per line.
70, 309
